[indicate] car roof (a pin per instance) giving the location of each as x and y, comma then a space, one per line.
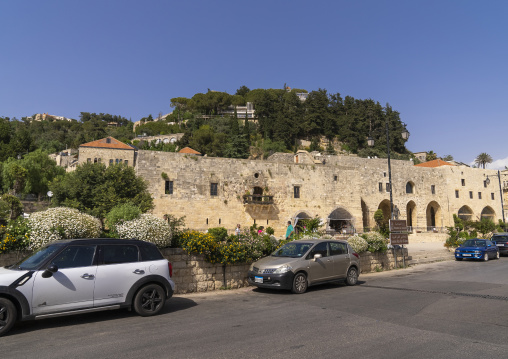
320, 240
500, 234
100, 241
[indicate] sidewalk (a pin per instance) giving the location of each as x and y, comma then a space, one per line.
428, 248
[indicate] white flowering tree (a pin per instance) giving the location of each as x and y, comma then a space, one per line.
148, 228
358, 243
61, 223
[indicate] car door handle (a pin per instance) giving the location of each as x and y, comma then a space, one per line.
139, 271
88, 276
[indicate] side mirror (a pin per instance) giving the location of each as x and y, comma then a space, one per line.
316, 256
49, 271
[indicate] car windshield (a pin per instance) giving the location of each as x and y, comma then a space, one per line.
500, 238
39, 257
474, 243
292, 249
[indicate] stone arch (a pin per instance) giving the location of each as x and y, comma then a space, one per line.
465, 213
340, 221
488, 213
173, 140
365, 215
411, 216
299, 220
385, 207
410, 188
165, 141
434, 215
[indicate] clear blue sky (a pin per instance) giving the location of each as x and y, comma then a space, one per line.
441, 64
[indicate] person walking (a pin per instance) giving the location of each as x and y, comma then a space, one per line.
237, 230
289, 231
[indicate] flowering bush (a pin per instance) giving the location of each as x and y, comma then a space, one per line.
61, 223
14, 236
376, 241
358, 243
146, 228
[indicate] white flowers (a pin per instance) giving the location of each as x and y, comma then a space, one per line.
61, 223
146, 228
358, 244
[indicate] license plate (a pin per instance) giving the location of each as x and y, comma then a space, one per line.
466, 255
258, 279
500, 244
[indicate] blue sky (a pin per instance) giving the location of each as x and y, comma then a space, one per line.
441, 64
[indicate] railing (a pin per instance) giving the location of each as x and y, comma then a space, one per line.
257, 199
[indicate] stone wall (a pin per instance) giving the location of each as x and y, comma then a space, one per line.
106, 155
345, 185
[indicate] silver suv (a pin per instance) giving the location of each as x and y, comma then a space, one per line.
85, 275
300, 264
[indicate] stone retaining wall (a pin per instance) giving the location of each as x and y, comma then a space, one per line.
191, 273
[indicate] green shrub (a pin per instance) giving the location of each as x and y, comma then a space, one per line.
219, 233
121, 213
14, 236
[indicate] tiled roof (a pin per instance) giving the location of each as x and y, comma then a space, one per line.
434, 163
189, 150
108, 142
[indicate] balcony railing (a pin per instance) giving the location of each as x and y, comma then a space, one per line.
257, 199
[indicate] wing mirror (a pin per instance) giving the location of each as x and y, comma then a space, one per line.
317, 256
53, 268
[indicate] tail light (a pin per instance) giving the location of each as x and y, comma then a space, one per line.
170, 266
356, 255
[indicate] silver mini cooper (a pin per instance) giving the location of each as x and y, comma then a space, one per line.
300, 264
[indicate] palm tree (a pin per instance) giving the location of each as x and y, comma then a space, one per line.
482, 159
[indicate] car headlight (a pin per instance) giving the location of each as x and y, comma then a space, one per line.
477, 252
283, 269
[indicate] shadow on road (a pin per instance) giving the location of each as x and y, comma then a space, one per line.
173, 305
315, 288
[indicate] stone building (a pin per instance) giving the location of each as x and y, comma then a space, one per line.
108, 151
343, 191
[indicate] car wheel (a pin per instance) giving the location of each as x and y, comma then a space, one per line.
299, 283
352, 276
149, 300
458, 259
485, 256
8, 315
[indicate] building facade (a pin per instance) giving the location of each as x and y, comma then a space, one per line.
108, 151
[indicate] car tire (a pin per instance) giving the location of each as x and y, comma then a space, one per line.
458, 259
8, 314
299, 283
485, 256
149, 300
352, 276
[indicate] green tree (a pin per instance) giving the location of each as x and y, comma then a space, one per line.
95, 189
483, 159
431, 156
448, 158
41, 170
14, 176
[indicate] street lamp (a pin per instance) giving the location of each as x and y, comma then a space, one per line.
487, 181
370, 142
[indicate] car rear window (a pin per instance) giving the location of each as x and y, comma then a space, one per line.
500, 238
150, 253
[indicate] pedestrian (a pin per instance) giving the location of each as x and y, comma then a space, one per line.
261, 230
289, 231
237, 230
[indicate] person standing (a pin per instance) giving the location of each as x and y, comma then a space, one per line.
289, 231
237, 230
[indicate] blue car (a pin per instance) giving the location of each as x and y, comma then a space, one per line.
477, 249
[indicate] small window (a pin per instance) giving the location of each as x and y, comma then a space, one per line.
456, 193
479, 195
335, 178
409, 187
463, 181
95, 160
168, 187
213, 189
111, 161
108, 140
387, 187
99, 160
117, 161
296, 192
88, 160
380, 187
492, 196
384, 174
126, 162
115, 254
471, 194
485, 183
433, 189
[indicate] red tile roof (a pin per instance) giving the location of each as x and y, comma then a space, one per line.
108, 142
189, 151
434, 163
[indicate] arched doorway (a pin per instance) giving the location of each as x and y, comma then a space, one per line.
385, 207
434, 220
340, 221
465, 213
299, 222
411, 215
488, 213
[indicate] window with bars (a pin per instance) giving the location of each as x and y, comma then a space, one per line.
213, 189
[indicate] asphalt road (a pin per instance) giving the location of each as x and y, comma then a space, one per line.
441, 310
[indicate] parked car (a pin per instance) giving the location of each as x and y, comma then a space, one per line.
501, 241
477, 249
300, 264
85, 275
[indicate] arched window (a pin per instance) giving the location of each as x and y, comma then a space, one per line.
409, 187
